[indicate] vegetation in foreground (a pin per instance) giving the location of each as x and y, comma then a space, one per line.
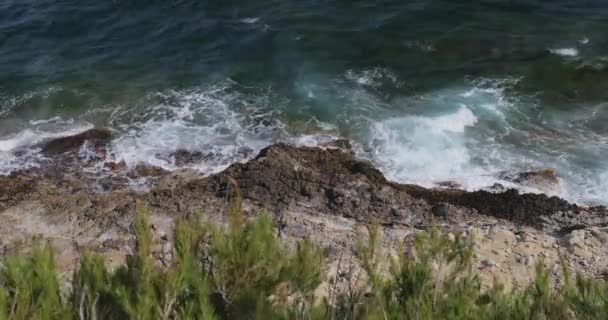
243, 272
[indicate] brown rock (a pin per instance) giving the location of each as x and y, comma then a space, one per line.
145, 170
601, 234
113, 183
97, 136
329, 181
115, 166
527, 208
184, 157
315, 193
342, 144
449, 184
545, 180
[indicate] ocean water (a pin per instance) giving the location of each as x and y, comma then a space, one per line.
428, 90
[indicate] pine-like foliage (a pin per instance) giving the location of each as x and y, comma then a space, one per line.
242, 271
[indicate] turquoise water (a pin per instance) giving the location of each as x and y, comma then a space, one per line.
428, 90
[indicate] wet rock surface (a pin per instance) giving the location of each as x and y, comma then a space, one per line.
184, 157
145, 170
544, 180
97, 137
323, 194
284, 178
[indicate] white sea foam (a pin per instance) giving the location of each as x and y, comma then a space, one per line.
420, 45
224, 124
250, 20
464, 134
30, 137
482, 133
19, 151
463, 143
424, 149
220, 121
373, 77
565, 52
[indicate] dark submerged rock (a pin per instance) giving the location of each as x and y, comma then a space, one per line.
97, 137
545, 180
115, 166
449, 185
343, 144
184, 157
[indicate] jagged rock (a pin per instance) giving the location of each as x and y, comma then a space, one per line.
449, 185
488, 263
145, 170
497, 187
545, 180
510, 205
113, 183
13, 190
342, 144
600, 233
576, 244
329, 181
184, 157
505, 236
576, 238
441, 210
320, 194
98, 137
115, 166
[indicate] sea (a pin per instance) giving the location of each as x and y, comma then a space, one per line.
427, 90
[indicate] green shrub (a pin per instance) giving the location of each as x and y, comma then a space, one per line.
242, 271
31, 287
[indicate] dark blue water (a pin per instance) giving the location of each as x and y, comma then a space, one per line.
428, 90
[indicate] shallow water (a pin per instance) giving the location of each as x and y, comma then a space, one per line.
428, 90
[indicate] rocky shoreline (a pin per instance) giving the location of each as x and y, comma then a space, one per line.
323, 194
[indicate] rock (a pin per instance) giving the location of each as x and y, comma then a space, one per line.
327, 194
113, 183
115, 166
449, 185
184, 157
600, 234
14, 189
98, 137
328, 181
545, 180
504, 236
510, 205
529, 260
576, 238
497, 187
342, 144
145, 170
441, 210
577, 245
488, 263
